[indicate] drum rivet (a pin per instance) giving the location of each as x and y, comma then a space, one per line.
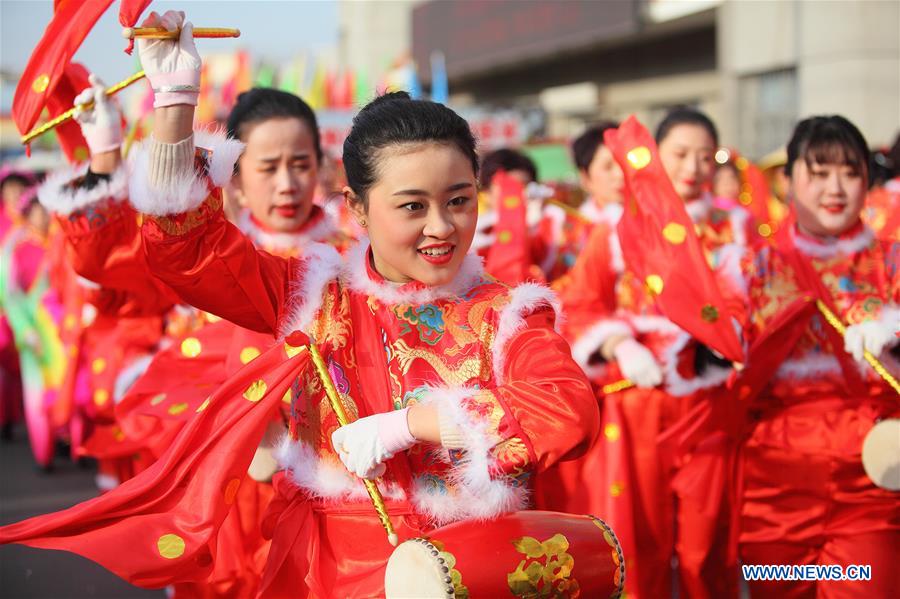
440, 560
434, 553
448, 580
445, 569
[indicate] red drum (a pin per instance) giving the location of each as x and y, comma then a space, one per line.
520, 554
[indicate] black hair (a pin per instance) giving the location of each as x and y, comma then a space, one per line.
586, 145
682, 115
16, 178
828, 139
263, 103
505, 159
393, 119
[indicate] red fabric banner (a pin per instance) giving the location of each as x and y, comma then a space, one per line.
660, 245
70, 24
167, 518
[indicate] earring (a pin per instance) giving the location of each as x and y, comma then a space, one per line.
362, 223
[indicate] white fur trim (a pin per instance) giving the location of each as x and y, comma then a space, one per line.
728, 267
524, 299
55, 195
593, 339
809, 366
650, 323
319, 265
225, 154
324, 478
318, 232
357, 278
679, 386
591, 211
738, 217
189, 189
475, 494
834, 247
700, 208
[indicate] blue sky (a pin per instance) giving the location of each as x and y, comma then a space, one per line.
272, 30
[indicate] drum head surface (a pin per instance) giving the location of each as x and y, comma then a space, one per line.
881, 454
414, 572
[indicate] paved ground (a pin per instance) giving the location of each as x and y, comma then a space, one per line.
32, 573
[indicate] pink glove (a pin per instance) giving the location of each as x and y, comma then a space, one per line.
101, 124
172, 66
365, 444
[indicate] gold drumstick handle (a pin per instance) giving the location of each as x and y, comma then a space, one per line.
617, 386
338, 406
71, 112
877, 366
161, 33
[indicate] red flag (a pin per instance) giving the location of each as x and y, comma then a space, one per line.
508, 258
70, 24
129, 13
167, 518
660, 245
73, 81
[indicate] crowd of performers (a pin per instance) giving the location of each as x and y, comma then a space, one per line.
155, 316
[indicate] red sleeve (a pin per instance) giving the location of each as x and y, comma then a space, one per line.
104, 246
543, 412
214, 267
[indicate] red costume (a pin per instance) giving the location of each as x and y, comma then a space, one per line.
806, 498
628, 477
486, 354
126, 320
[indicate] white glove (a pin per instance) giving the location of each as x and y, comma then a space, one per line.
365, 444
101, 124
871, 335
638, 364
172, 66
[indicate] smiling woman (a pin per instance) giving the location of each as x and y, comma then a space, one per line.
411, 174
452, 380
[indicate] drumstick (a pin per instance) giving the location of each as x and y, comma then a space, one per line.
71, 112
161, 33
617, 386
877, 366
338, 407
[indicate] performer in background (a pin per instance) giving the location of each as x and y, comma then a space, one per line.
12, 184
563, 231
806, 497
274, 182
617, 332
454, 379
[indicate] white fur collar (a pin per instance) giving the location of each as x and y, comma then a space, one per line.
836, 246
700, 208
610, 213
318, 231
319, 265
679, 386
56, 195
356, 277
